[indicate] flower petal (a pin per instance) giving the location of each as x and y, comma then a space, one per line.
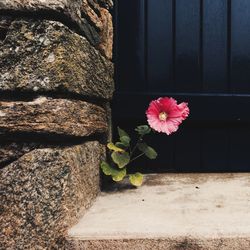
167, 103
176, 114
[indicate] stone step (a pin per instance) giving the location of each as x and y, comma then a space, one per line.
45, 192
170, 211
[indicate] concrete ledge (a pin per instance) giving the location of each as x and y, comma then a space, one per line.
171, 211
179, 243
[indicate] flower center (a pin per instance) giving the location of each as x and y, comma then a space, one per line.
163, 116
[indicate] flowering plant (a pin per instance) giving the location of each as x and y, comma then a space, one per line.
164, 115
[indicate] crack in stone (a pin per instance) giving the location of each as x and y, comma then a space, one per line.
3, 34
83, 29
12, 150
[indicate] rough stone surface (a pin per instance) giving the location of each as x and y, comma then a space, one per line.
56, 78
106, 3
67, 7
10, 152
78, 12
106, 34
44, 192
4, 25
180, 243
58, 116
170, 211
101, 19
45, 56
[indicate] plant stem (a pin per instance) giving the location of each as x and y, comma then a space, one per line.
137, 157
133, 150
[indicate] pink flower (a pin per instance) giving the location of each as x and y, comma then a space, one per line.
165, 115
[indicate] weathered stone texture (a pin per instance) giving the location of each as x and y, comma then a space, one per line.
45, 56
12, 151
79, 12
59, 116
106, 35
67, 7
101, 19
59, 50
44, 192
108, 4
171, 243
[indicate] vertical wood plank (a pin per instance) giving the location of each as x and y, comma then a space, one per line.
215, 45
188, 150
239, 159
160, 45
240, 68
164, 146
215, 148
131, 47
188, 66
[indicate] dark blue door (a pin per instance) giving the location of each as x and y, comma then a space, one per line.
196, 51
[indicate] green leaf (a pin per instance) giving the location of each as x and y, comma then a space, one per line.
147, 150
121, 159
117, 174
107, 170
143, 130
124, 137
125, 140
136, 179
122, 133
113, 147
120, 145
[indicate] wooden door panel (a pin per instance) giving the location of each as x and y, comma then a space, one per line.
215, 149
230, 109
187, 46
240, 49
215, 46
160, 45
196, 51
239, 157
188, 150
130, 36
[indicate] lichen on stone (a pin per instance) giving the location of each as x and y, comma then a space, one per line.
45, 56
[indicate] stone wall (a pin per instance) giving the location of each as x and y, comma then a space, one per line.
56, 81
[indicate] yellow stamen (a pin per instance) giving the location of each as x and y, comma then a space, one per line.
163, 116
